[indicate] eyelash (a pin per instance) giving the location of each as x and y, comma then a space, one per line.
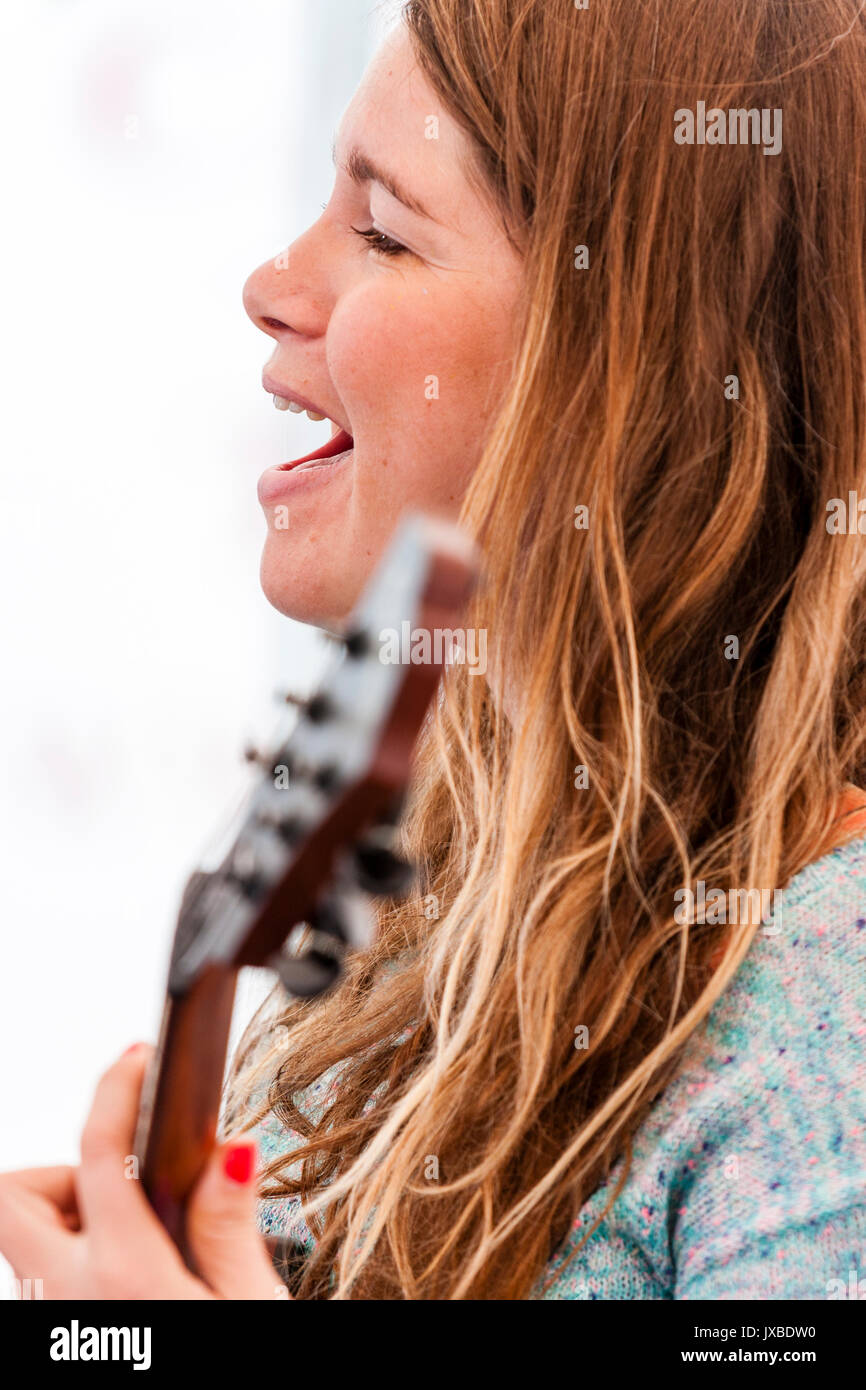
380, 243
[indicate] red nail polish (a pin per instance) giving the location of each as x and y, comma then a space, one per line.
238, 1163
134, 1048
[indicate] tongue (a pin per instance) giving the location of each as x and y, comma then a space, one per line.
338, 445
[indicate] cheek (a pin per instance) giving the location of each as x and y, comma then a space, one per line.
381, 349
417, 371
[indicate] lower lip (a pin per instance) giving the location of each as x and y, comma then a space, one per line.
314, 469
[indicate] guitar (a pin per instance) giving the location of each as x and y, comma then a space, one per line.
316, 839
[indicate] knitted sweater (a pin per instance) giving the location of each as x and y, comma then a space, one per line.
748, 1175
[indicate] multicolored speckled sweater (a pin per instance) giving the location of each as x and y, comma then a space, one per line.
748, 1176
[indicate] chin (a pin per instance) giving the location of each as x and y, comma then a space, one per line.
305, 588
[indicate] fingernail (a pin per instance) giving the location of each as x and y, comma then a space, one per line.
134, 1048
238, 1162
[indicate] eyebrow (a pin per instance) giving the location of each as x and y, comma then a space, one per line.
361, 169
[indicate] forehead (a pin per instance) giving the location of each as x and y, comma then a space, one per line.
397, 120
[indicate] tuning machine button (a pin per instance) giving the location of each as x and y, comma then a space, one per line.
345, 914
378, 868
309, 963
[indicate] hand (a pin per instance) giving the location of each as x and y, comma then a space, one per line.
90, 1233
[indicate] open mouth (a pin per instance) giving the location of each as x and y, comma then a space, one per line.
339, 444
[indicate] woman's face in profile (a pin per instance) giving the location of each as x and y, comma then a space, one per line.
402, 337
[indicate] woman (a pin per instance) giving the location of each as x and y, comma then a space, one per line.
592, 279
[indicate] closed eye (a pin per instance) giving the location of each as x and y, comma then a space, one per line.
382, 244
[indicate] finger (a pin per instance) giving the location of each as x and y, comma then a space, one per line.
33, 1233
56, 1185
228, 1251
110, 1200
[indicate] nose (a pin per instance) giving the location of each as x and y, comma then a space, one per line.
261, 297
282, 298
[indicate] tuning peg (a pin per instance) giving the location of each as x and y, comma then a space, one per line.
316, 708
357, 642
243, 871
325, 777
289, 828
256, 756
379, 869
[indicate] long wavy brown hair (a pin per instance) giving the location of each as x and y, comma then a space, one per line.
695, 641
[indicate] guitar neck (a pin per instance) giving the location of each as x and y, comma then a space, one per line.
305, 851
180, 1108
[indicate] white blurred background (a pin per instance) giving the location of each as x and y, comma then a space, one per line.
154, 153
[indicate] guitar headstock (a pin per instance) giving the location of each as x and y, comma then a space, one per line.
319, 828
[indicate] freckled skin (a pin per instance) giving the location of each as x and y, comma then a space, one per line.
360, 333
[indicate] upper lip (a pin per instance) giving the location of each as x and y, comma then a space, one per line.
276, 388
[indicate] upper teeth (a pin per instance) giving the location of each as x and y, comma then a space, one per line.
282, 403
